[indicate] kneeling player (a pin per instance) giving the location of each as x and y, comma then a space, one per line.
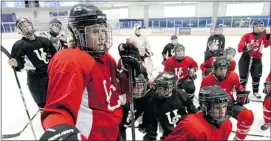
167, 106
210, 124
228, 80
207, 66
141, 99
267, 103
184, 67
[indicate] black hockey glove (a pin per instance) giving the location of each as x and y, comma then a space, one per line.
267, 37
242, 97
130, 56
62, 132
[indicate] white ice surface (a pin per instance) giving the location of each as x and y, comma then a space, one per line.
14, 115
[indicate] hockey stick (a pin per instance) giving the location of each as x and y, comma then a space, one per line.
21, 131
254, 135
132, 110
259, 101
21, 92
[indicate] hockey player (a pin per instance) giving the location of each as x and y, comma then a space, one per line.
184, 67
85, 90
145, 51
32, 53
168, 49
210, 124
58, 39
228, 80
251, 46
207, 66
215, 44
167, 106
141, 99
267, 103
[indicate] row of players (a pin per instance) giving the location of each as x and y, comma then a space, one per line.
86, 90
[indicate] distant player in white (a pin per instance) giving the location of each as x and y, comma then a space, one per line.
145, 51
58, 39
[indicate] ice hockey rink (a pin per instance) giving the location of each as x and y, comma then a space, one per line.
14, 116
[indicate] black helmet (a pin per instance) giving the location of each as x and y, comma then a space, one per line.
212, 95
25, 27
221, 62
167, 80
85, 20
55, 26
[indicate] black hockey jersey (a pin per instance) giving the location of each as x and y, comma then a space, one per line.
168, 50
220, 41
59, 42
33, 54
168, 112
140, 106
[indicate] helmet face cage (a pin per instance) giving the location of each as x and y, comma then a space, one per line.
163, 89
179, 52
218, 30
229, 53
221, 68
267, 87
212, 45
214, 103
25, 27
96, 39
258, 26
139, 89
55, 27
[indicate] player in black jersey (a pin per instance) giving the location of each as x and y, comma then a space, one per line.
168, 49
167, 107
58, 39
33, 54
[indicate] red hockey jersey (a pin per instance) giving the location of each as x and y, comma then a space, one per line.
85, 93
180, 68
195, 127
209, 64
230, 82
250, 37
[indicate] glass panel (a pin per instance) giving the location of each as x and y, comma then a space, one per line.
170, 23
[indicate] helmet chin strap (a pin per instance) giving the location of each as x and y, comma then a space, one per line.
32, 37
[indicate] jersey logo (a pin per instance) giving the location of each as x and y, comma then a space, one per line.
174, 119
112, 89
42, 55
178, 73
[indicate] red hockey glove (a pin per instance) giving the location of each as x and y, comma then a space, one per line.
242, 97
62, 132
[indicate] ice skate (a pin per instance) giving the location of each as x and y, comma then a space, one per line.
256, 94
265, 126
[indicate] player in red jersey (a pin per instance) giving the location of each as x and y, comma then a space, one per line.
267, 103
85, 90
251, 46
207, 66
211, 124
228, 80
184, 67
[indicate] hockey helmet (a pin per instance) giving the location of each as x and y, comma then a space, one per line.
179, 51
164, 83
213, 101
89, 28
139, 87
55, 26
229, 53
25, 27
221, 66
218, 29
258, 26
174, 39
137, 29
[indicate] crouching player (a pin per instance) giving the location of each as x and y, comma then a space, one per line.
228, 80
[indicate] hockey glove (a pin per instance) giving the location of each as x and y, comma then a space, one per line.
267, 37
192, 73
242, 97
130, 56
62, 132
252, 47
267, 88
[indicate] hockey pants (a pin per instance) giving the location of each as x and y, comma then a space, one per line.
37, 85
